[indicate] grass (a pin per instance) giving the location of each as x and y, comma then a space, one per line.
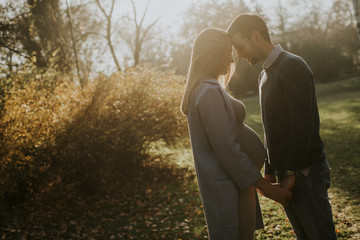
339, 108
162, 202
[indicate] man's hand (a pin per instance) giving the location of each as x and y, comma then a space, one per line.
289, 182
279, 194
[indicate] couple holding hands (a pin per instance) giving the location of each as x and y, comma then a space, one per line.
229, 155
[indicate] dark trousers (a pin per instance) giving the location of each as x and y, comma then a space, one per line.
309, 210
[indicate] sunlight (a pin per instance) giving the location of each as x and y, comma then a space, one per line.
169, 11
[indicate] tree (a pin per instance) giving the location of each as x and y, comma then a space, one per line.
108, 17
201, 15
87, 42
327, 39
73, 43
156, 50
34, 33
211, 13
48, 25
9, 44
135, 38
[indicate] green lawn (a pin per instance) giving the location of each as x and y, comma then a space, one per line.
158, 202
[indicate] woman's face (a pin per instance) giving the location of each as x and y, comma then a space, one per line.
226, 60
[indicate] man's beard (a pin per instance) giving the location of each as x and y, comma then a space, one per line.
252, 61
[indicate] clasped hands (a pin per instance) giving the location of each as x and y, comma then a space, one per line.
281, 192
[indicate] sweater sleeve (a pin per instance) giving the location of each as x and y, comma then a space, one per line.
299, 94
269, 170
223, 139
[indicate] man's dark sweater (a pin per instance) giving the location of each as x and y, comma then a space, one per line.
290, 115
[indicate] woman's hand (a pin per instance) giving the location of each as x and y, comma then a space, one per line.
273, 191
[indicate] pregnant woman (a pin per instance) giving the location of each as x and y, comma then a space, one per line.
228, 155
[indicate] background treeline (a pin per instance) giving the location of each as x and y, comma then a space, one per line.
87, 37
85, 90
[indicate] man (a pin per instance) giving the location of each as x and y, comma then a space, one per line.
291, 125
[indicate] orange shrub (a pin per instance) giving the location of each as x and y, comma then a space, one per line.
86, 135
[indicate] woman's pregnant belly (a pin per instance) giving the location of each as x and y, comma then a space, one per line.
251, 145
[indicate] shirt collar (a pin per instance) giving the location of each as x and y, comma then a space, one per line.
270, 59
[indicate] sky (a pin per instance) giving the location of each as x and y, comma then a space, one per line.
170, 10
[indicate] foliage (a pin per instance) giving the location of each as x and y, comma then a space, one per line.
328, 39
31, 116
85, 136
34, 32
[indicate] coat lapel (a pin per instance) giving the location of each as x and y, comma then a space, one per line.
227, 101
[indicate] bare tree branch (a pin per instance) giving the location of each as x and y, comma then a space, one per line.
148, 29
134, 11
101, 8
17, 52
108, 31
140, 32
112, 8
143, 16
74, 44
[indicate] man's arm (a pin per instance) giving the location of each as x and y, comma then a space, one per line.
299, 92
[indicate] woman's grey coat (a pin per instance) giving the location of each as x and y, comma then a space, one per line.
223, 170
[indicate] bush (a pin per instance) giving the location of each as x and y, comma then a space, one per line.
86, 136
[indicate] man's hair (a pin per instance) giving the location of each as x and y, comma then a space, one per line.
246, 24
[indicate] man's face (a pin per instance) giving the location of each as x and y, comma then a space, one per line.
246, 48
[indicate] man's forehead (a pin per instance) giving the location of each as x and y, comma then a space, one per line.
238, 37
237, 34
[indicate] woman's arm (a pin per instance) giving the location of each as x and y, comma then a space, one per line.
222, 137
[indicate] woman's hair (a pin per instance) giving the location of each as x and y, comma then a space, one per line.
246, 24
206, 58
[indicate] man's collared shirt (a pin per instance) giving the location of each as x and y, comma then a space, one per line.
272, 56
270, 59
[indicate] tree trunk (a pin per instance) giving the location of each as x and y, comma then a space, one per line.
108, 38
74, 45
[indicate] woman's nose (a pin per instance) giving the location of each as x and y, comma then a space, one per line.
230, 59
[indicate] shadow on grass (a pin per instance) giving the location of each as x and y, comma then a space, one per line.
343, 153
154, 201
